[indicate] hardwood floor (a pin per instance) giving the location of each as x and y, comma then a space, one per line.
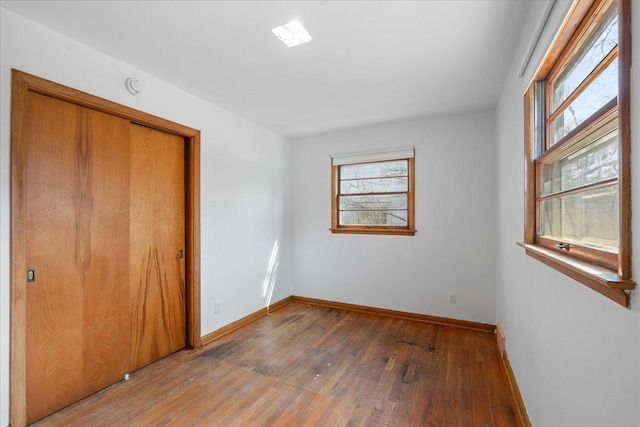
314, 366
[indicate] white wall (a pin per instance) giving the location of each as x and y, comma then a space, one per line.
453, 250
575, 354
245, 175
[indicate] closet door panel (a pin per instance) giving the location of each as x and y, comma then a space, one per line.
77, 247
106, 319
157, 245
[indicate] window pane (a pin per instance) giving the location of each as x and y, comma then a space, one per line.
375, 170
597, 162
602, 90
374, 194
367, 203
374, 185
395, 218
589, 218
597, 46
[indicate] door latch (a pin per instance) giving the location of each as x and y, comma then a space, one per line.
31, 275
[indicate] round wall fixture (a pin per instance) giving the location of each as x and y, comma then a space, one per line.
133, 86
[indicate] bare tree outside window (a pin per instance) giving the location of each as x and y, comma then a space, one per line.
373, 197
374, 193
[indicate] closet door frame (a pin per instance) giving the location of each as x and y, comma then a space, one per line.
22, 84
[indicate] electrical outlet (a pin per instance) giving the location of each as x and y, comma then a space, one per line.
452, 297
216, 307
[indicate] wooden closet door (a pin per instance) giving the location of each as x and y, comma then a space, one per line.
77, 309
156, 242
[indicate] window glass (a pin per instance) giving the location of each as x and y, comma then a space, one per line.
602, 40
374, 197
395, 168
366, 193
602, 90
597, 162
378, 217
588, 218
374, 185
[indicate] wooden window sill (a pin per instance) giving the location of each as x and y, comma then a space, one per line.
383, 231
600, 279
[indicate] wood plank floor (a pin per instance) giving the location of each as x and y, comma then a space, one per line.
313, 366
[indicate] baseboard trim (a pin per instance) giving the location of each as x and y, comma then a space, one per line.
467, 324
516, 398
212, 336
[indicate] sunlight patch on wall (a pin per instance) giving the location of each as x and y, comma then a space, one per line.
270, 278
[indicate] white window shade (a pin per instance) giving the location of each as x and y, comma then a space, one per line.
373, 156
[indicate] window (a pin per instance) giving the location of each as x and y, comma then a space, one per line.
372, 193
578, 150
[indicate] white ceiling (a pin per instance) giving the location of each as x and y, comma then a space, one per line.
368, 62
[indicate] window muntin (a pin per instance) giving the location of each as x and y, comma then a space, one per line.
373, 197
578, 205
